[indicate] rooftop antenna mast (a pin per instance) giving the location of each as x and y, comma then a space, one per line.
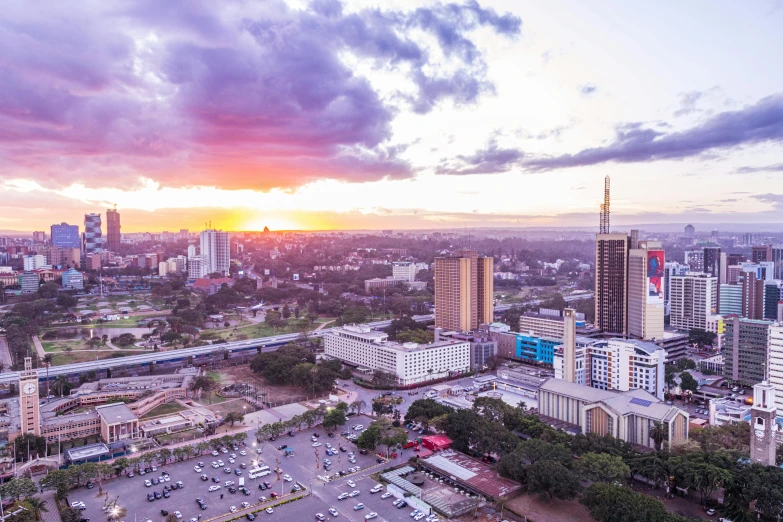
604, 224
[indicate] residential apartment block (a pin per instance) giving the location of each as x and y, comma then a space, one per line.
694, 297
464, 287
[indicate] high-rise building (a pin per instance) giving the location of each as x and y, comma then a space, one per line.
73, 279
30, 282
215, 246
763, 425
65, 236
671, 268
192, 250
712, 262
569, 345
113, 236
694, 297
690, 231
763, 270
646, 290
735, 259
775, 370
745, 350
752, 296
463, 291
777, 258
611, 278
39, 236
93, 237
28, 400
34, 262
198, 267
730, 299
404, 270
695, 260
761, 253
773, 295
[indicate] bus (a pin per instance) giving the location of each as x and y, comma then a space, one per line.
259, 471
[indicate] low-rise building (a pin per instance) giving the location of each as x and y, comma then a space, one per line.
73, 279
628, 415
412, 363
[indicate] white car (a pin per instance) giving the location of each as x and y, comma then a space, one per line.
419, 516
343, 496
245, 504
287, 478
358, 427
224, 450
79, 503
231, 461
233, 509
269, 510
166, 478
215, 465
386, 495
354, 493
316, 444
333, 512
220, 463
377, 489
262, 498
214, 488
370, 516
229, 483
215, 453
243, 453
178, 514
196, 469
328, 445
351, 484
232, 456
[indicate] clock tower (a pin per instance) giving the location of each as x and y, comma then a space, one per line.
763, 428
28, 399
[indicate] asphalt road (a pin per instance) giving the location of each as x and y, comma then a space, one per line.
301, 467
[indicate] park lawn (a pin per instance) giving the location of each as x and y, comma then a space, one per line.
163, 409
236, 405
59, 346
212, 398
88, 355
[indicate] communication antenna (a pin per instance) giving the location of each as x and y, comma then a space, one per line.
604, 224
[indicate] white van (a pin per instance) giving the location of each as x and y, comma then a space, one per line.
241, 482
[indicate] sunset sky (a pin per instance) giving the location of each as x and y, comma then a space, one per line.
396, 114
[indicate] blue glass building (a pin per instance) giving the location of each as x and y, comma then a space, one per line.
65, 236
536, 349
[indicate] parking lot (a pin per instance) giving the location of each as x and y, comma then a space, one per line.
301, 467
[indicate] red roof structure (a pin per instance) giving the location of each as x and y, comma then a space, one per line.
436, 442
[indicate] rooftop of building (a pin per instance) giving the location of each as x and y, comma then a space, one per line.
86, 452
477, 475
116, 413
61, 420
645, 346
536, 315
381, 339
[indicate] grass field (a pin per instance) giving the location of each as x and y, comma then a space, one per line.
58, 346
88, 355
212, 398
235, 405
164, 409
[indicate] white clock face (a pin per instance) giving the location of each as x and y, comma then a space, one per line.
29, 388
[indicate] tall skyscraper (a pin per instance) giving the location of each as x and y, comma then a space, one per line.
752, 296
777, 258
761, 253
611, 283
569, 345
746, 350
773, 295
712, 261
694, 298
646, 290
65, 236
464, 287
215, 246
671, 268
113, 237
93, 237
695, 260
775, 367
690, 231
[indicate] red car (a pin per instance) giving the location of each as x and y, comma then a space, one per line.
273, 495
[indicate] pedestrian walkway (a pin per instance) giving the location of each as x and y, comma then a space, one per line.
38, 347
53, 514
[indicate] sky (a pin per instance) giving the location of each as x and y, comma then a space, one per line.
397, 114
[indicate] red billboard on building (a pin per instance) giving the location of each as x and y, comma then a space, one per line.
655, 275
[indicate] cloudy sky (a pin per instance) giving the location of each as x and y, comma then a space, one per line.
395, 114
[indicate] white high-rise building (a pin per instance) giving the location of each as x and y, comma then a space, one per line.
34, 262
775, 364
694, 297
671, 268
215, 248
404, 270
198, 267
646, 291
192, 250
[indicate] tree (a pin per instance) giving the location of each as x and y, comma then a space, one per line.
357, 406
37, 505
384, 379
370, 438
688, 383
602, 467
659, 433
701, 337
392, 437
426, 408
610, 503
334, 417
18, 488
233, 417
66, 301
58, 480
202, 383
552, 478
703, 471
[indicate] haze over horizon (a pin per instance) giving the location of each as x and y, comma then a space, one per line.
390, 115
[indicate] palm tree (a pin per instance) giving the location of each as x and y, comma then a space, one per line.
357, 405
47, 359
38, 506
60, 383
659, 433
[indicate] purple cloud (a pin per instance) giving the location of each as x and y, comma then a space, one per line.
758, 123
238, 94
587, 89
766, 168
490, 160
776, 200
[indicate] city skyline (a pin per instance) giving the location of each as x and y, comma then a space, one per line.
396, 115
